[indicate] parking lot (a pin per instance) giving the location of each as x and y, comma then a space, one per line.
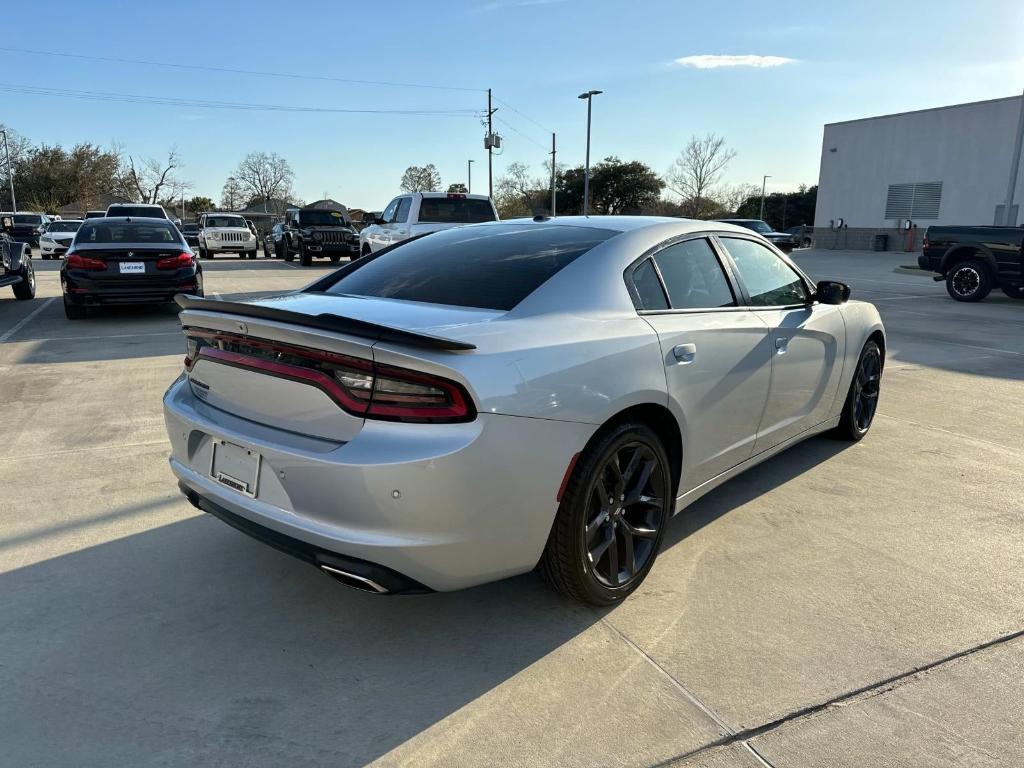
839, 605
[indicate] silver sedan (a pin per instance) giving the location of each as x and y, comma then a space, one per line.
524, 394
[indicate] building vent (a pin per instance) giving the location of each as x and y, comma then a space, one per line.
914, 201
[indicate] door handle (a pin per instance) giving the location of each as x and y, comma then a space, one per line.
781, 345
685, 353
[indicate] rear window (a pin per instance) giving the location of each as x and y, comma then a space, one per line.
64, 226
105, 231
27, 218
456, 210
487, 267
139, 211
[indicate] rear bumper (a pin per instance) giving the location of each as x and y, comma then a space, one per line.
86, 292
52, 248
218, 247
447, 506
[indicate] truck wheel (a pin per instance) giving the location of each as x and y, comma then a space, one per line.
266, 250
304, 258
968, 281
366, 251
26, 289
286, 251
335, 258
1014, 291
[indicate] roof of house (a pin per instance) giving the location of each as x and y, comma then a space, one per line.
94, 203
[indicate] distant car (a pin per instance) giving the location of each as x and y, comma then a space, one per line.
27, 227
801, 235
56, 238
127, 260
95, 214
420, 213
784, 241
16, 268
191, 233
225, 233
138, 210
310, 232
272, 241
974, 260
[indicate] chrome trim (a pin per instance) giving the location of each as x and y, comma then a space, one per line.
373, 585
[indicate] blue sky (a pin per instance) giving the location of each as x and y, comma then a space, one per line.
849, 60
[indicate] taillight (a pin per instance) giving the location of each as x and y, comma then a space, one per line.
180, 261
924, 242
358, 386
82, 262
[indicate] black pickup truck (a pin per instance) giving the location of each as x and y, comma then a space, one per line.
15, 263
974, 260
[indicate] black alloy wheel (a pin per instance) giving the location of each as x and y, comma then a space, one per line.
26, 289
305, 258
968, 281
862, 399
612, 517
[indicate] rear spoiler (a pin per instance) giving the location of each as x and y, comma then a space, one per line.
325, 322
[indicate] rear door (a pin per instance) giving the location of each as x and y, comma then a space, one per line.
808, 340
717, 354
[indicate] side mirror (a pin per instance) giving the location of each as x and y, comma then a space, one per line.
832, 292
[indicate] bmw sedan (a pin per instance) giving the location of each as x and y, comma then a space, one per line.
487, 400
127, 261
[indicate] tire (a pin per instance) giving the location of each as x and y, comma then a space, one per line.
968, 281
304, 258
335, 258
287, 251
366, 251
26, 289
862, 398
1014, 291
74, 311
203, 253
252, 254
266, 250
568, 563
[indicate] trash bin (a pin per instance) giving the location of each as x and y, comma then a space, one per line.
880, 243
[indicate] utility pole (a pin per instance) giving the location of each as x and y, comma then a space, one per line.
763, 182
589, 96
490, 147
1008, 218
10, 172
469, 176
553, 174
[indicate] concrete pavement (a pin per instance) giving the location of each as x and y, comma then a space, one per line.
837, 605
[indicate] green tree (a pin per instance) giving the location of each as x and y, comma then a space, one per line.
47, 178
783, 209
458, 188
616, 187
198, 205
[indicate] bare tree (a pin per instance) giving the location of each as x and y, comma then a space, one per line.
265, 176
150, 180
421, 179
695, 174
517, 194
232, 194
733, 196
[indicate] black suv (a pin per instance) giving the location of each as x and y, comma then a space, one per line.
27, 227
311, 232
15, 263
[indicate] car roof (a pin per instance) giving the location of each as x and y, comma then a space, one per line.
143, 219
69, 221
624, 223
457, 195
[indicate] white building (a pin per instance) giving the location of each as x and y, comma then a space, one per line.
948, 165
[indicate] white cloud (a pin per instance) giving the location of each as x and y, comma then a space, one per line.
715, 61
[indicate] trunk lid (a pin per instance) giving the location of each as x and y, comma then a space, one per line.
138, 260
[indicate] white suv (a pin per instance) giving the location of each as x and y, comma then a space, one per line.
421, 212
225, 233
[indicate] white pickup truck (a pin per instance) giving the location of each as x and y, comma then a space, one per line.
418, 213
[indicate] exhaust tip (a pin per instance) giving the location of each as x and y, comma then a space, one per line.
353, 580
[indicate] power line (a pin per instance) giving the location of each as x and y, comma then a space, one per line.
525, 117
259, 73
516, 130
203, 104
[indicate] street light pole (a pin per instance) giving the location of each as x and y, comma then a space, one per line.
10, 172
553, 166
763, 182
589, 96
469, 176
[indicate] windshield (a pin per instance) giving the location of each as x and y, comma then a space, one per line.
28, 218
64, 226
321, 219
491, 268
105, 231
236, 222
757, 226
456, 210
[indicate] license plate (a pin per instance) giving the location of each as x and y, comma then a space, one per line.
133, 267
236, 467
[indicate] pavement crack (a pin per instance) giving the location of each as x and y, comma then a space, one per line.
871, 690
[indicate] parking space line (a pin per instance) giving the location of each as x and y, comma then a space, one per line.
24, 321
101, 338
86, 449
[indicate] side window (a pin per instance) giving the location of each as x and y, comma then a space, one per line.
648, 287
769, 280
403, 210
389, 212
693, 277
